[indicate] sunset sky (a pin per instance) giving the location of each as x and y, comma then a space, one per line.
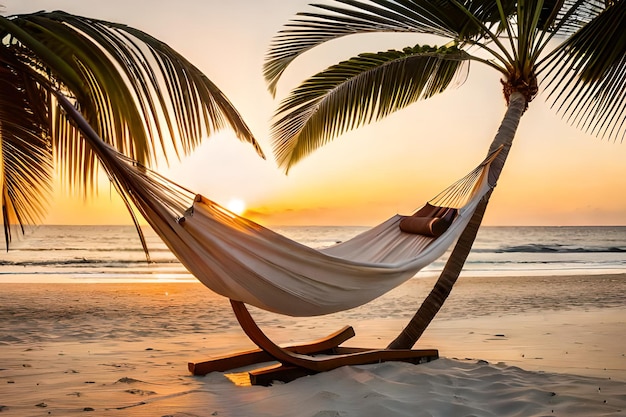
555, 174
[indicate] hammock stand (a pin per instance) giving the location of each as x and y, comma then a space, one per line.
300, 360
161, 202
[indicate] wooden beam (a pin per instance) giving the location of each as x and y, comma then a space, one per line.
251, 357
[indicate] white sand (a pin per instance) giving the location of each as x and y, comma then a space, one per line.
122, 350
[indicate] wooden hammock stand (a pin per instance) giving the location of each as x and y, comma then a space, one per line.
300, 360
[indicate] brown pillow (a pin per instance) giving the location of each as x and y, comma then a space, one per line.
419, 225
428, 226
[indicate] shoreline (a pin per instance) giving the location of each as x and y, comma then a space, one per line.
168, 277
122, 349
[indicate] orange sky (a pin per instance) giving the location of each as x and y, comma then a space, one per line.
555, 174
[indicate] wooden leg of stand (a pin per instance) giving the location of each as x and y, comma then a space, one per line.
251, 357
285, 373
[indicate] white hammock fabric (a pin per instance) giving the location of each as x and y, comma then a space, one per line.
246, 262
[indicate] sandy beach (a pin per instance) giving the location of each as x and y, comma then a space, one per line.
122, 350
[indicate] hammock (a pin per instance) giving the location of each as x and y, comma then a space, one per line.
244, 261
247, 262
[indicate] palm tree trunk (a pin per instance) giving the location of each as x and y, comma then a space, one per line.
442, 288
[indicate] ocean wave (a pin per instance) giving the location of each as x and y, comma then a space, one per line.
99, 274
83, 262
90, 249
554, 263
540, 248
529, 248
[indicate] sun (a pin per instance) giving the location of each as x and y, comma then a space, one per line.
237, 206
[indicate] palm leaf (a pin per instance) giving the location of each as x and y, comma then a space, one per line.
112, 111
445, 18
131, 89
587, 75
566, 17
357, 91
25, 151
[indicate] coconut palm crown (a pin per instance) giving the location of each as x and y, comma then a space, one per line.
585, 73
137, 93
576, 47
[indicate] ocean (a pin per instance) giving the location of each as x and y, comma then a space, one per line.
57, 254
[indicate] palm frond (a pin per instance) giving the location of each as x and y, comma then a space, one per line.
445, 18
122, 60
566, 17
587, 75
130, 87
357, 91
102, 96
25, 151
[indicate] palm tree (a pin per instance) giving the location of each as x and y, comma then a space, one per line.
135, 91
577, 47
